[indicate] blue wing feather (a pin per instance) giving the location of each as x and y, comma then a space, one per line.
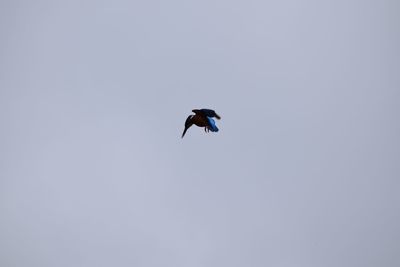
212, 127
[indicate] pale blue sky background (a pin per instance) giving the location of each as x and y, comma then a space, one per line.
304, 171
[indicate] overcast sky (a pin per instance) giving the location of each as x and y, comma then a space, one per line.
304, 170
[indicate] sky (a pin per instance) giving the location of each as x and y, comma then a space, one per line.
304, 170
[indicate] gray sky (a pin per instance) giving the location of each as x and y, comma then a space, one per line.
304, 171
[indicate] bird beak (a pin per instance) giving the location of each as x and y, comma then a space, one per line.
184, 131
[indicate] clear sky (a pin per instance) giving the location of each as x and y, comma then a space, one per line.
304, 170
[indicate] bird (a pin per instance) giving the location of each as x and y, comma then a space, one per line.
202, 118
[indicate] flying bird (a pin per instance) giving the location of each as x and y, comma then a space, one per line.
202, 118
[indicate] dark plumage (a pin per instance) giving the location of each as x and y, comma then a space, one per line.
207, 112
203, 118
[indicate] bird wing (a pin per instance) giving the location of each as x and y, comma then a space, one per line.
210, 113
212, 125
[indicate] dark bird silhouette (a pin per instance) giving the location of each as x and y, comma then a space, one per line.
202, 118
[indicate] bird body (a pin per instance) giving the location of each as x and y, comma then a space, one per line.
202, 118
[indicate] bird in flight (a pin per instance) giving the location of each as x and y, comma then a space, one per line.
202, 118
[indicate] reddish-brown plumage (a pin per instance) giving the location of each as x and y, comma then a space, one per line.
203, 118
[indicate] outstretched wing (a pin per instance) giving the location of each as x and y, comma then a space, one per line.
210, 113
